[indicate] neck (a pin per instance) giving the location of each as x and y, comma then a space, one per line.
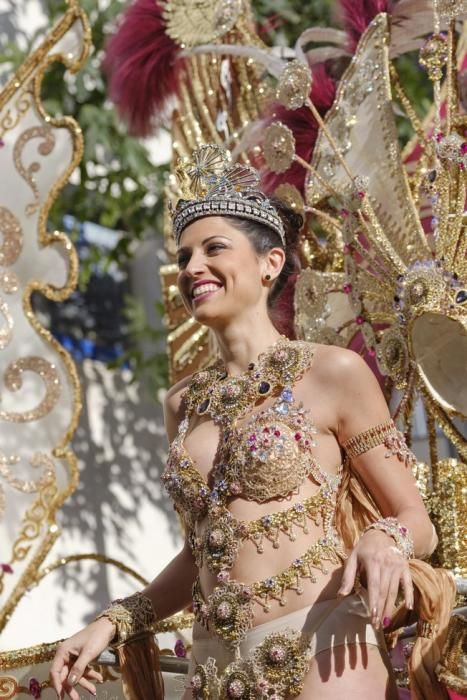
241, 345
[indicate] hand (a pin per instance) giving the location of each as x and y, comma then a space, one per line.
70, 664
385, 569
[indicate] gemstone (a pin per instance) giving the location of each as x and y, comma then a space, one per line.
347, 288
236, 688
35, 688
461, 296
223, 610
264, 388
203, 407
196, 682
282, 408
464, 148
277, 433
287, 395
432, 175
216, 538
180, 649
298, 436
266, 430
277, 654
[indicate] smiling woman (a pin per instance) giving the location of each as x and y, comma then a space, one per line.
301, 512
212, 243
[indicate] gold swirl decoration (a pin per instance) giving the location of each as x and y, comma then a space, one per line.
40, 399
33, 662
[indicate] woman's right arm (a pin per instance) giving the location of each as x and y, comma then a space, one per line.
169, 593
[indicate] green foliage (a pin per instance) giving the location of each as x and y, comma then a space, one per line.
115, 185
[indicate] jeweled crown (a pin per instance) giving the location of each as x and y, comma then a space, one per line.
212, 185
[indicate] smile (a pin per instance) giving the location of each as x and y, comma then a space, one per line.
202, 291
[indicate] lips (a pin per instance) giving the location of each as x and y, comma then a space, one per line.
204, 288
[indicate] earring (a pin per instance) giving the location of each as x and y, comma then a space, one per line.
267, 277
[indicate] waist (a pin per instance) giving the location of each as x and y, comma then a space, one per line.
232, 607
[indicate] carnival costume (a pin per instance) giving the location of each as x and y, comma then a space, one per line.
388, 244
265, 454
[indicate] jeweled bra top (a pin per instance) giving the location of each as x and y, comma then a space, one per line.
264, 457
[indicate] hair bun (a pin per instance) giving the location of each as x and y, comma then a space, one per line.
293, 221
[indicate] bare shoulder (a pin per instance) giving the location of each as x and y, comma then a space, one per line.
173, 410
338, 366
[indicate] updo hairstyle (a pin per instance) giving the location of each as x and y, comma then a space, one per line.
263, 239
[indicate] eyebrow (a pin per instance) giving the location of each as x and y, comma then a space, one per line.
209, 238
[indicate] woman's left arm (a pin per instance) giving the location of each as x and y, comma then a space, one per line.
385, 470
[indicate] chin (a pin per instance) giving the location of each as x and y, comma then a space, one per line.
211, 315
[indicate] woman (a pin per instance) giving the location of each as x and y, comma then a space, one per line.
292, 481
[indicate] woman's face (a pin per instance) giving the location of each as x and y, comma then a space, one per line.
220, 275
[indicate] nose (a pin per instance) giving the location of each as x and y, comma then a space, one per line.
196, 264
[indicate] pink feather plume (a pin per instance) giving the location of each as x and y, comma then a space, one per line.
143, 66
357, 15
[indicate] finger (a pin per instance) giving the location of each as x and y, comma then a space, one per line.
94, 675
407, 587
391, 597
87, 685
59, 662
78, 668
71, 691
385, 578
373, 577
348, 577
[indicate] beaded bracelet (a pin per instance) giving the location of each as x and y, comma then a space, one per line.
398, 532
131, 616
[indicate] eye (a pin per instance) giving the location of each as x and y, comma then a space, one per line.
215, 246
182, 260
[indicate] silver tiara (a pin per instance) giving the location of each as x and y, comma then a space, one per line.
212, 186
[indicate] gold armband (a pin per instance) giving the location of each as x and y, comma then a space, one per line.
383, 434
133, 617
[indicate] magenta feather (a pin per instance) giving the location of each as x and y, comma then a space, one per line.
357, 15
143, 65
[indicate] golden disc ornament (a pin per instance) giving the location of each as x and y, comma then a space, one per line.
195, 22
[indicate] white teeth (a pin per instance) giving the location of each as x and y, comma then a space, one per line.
203, 289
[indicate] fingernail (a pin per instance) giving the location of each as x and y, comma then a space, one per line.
386, 622
72, 679
342, 593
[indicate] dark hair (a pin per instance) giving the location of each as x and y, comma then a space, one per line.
263, 238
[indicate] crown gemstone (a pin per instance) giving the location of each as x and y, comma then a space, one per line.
461, 296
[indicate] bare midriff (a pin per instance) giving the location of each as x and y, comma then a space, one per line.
255, 479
